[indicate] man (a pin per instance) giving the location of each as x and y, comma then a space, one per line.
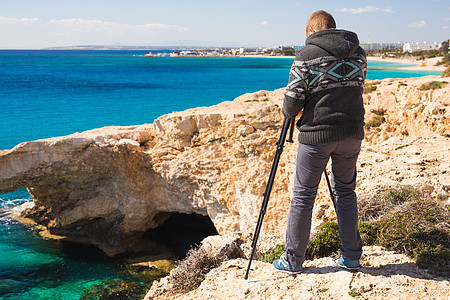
326, 81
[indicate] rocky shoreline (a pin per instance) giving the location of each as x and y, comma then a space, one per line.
109, 186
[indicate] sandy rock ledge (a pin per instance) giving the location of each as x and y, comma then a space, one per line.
384, 275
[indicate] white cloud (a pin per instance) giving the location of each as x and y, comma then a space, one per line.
264, 23
444, 27
417, 24
366, 9
98, 25
23, 21
159, 27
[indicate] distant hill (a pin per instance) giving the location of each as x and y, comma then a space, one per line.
122, 47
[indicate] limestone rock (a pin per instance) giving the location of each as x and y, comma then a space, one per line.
110, 185
384, 275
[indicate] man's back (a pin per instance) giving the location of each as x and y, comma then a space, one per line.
327, 80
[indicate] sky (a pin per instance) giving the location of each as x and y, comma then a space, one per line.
37, 24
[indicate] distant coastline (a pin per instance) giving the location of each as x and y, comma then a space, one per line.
411, 63
416, 65
428, 64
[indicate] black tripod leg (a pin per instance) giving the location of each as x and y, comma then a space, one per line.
287, 123
329, 188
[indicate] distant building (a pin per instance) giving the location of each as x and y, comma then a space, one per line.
380, 46
420, 46
406, 47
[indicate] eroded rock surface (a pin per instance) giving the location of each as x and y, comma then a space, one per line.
108, 186
384, 275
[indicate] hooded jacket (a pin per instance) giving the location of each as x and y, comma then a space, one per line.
326, 80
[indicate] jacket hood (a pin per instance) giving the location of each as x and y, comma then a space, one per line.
338, 42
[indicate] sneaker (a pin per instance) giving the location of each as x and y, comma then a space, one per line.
283, 266
351, 264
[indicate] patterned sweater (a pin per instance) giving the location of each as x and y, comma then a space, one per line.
326, 80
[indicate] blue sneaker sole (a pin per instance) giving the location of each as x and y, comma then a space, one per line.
348, 268
287, 271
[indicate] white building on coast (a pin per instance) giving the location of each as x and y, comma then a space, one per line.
406, 47
419, 46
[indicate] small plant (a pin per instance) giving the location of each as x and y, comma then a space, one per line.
272, 254
369, 233
376, 121
192, 270
401, 194
402, 84
433, 85
325, 243
257, 100
371, 86
353, 293
401, 147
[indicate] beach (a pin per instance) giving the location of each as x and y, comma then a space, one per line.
428, 64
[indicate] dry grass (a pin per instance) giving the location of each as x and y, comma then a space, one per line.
192, 270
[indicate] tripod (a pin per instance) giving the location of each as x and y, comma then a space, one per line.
288, 124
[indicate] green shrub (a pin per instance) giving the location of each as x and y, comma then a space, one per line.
272, 254
376, 121
371, 86
326, 242
402, 194
436, 259
368, 232
433, 85
420, 228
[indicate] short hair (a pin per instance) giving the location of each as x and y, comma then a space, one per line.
320, 20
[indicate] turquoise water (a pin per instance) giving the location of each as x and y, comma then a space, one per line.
53, 93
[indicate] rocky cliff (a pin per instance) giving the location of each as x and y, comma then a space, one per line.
110, 185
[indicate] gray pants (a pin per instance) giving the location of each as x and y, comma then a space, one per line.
311, 161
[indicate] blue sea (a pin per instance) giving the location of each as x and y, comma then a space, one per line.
47, 93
